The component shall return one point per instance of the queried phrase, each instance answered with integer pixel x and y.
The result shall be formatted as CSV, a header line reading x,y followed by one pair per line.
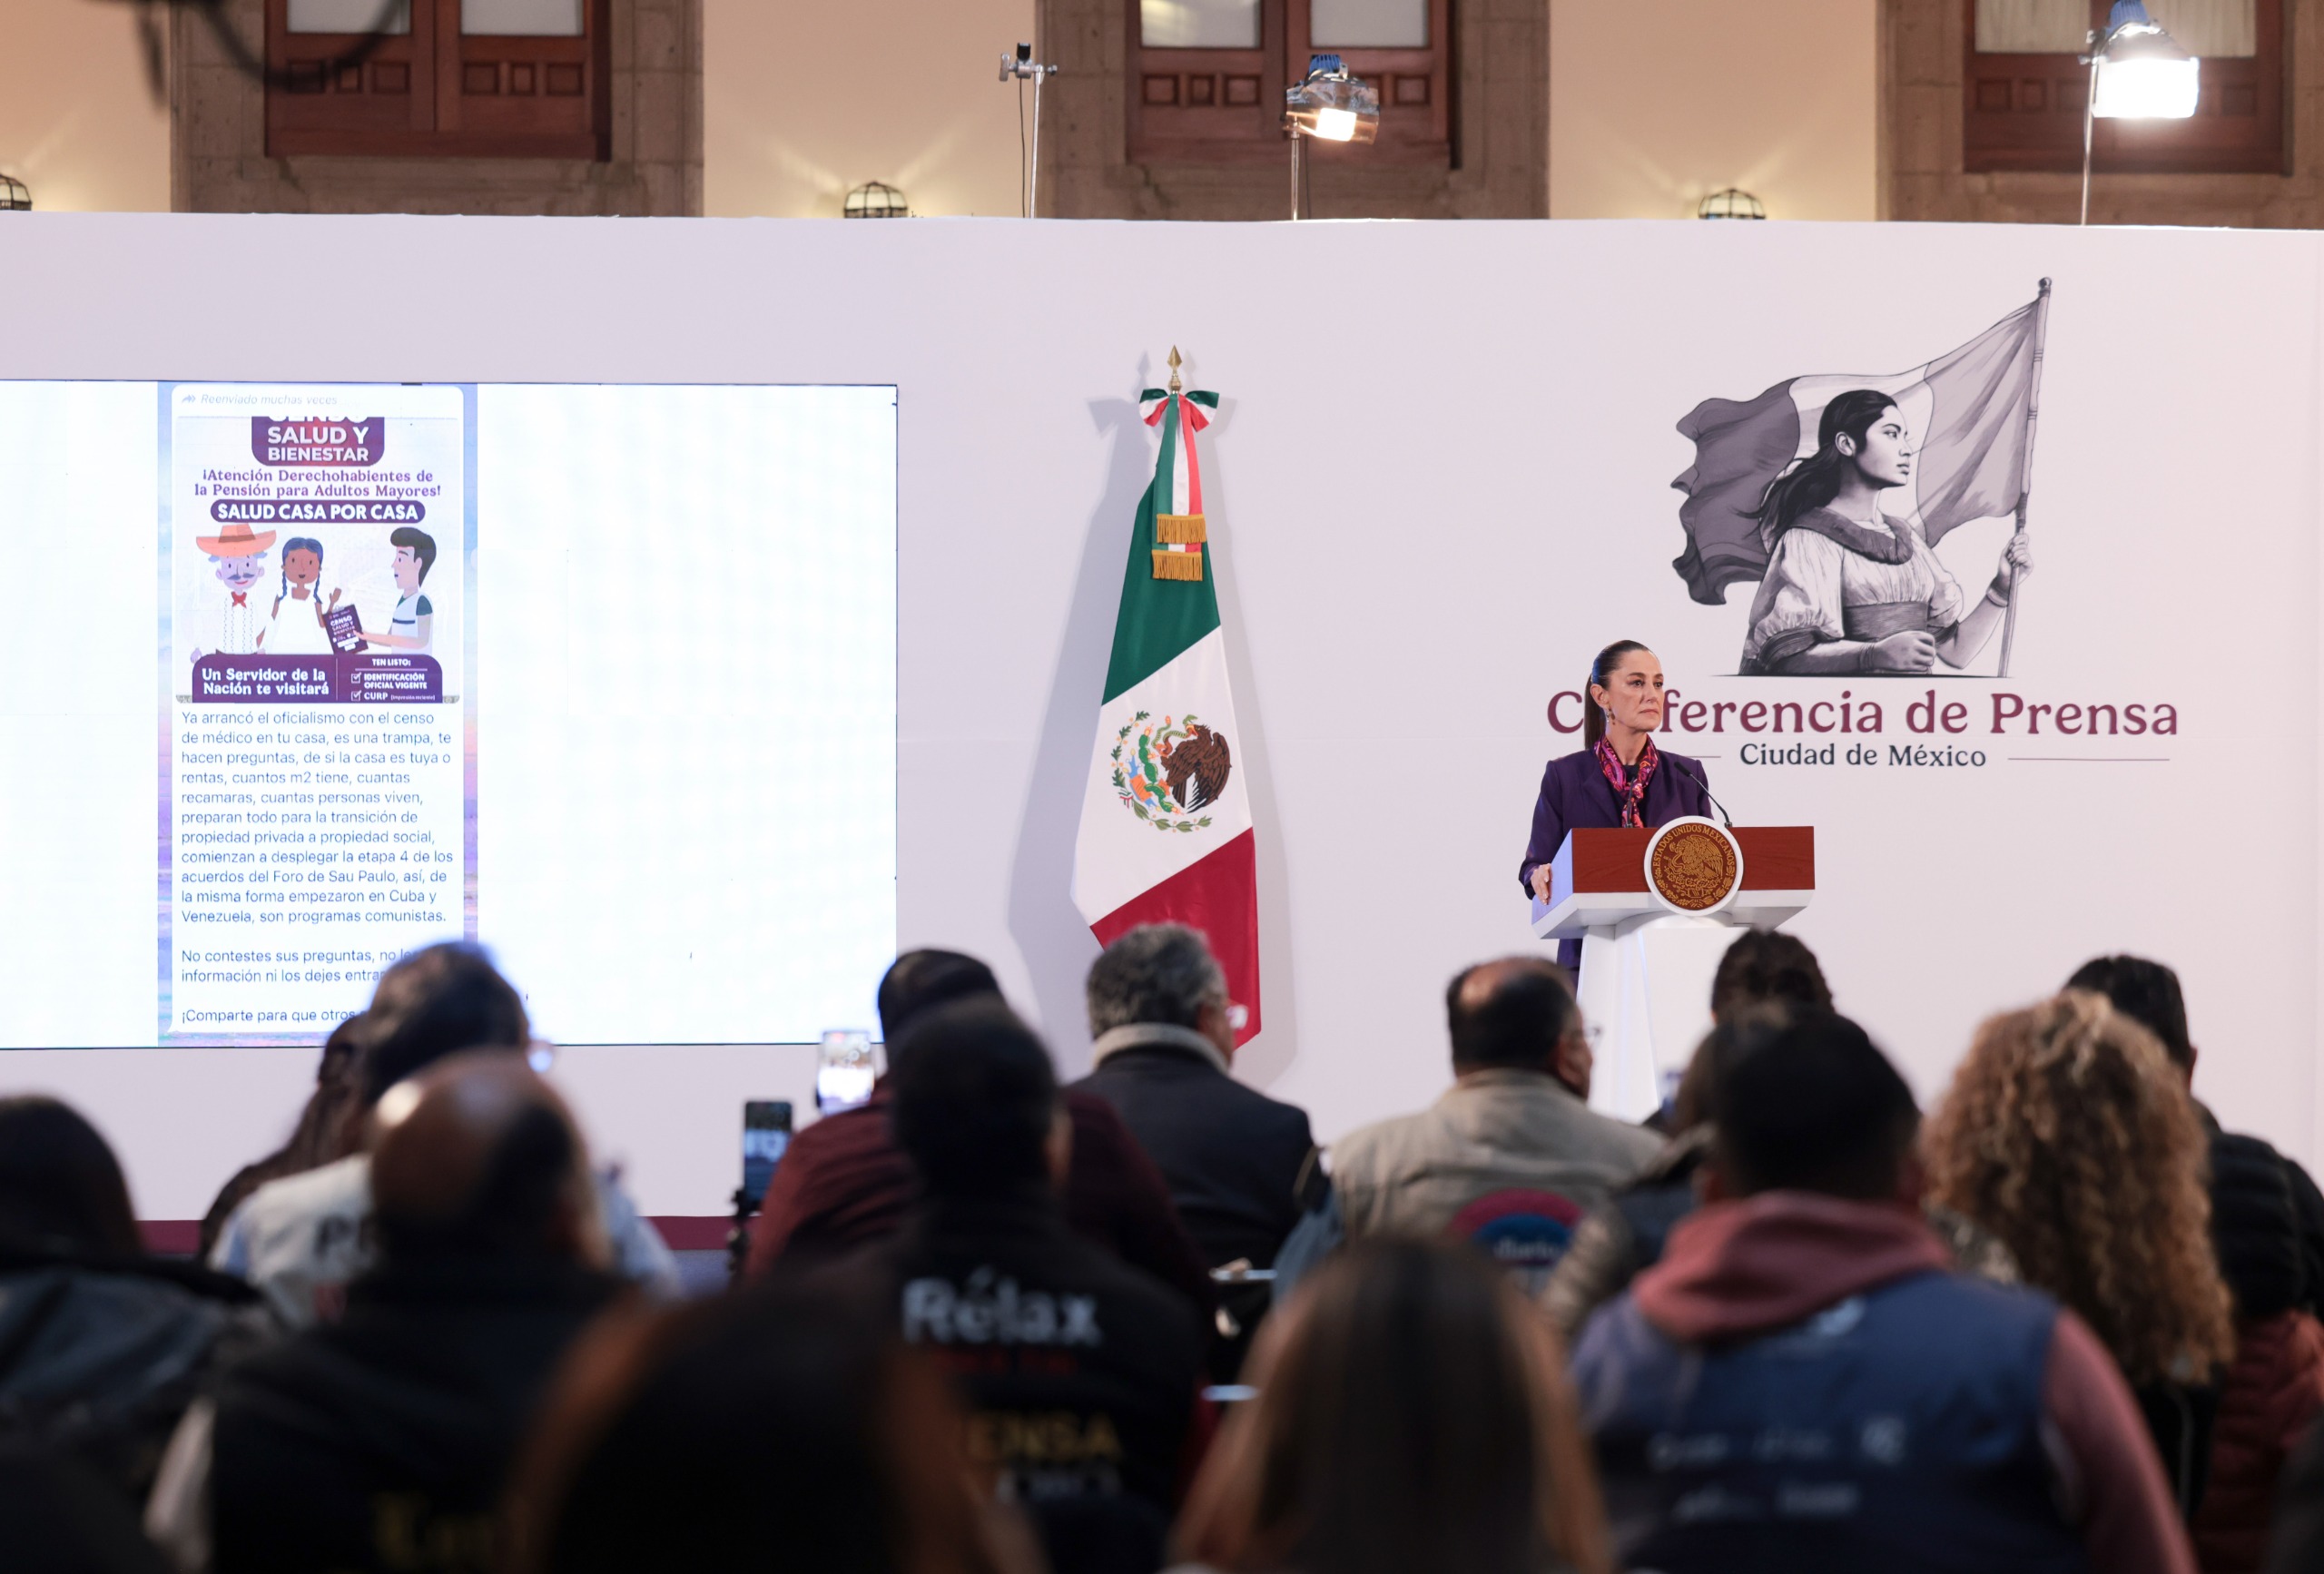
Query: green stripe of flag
x,y
1158,618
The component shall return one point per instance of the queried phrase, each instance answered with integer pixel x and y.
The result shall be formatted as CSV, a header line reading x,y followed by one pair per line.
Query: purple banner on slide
x,y
318,680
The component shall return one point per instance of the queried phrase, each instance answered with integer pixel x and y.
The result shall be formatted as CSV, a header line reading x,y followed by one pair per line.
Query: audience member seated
x,y
382,1441
1763,975
1766,965
302,1238
1626,1233
1080,1373
1511,1155
320,1137
1411,1414
1233,1157
2067,1134
2268,1230
784,1427
843,1182
59,1515
1800,1384
102,1347
2296,1541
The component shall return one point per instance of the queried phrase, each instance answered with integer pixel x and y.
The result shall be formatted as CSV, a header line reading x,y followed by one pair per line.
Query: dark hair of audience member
x,y
487,1164
1509,1013
60,1186
1804,1101
786,1427
438,1002
1412,1413
920,980
2068,1134
974,1100
1768,965
2148,994
320,1136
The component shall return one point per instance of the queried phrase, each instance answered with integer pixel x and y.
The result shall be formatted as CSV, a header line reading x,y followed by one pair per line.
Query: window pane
x,y
523,18
1197,24
2211,29
349,16
1369,24
2032,26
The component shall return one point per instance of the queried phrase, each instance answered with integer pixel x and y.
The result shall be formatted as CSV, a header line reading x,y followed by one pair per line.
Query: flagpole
x,y
2032,413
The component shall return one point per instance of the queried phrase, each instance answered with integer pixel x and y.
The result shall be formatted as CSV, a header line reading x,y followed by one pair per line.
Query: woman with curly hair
x,y
2067,1135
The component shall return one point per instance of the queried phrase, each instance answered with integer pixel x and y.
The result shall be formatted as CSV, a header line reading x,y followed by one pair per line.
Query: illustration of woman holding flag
x,y
1849,588
1844,586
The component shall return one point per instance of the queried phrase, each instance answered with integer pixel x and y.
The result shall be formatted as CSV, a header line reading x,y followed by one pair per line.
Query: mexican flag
x,y
1165,823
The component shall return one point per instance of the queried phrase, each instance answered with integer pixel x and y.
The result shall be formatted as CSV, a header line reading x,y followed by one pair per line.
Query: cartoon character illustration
x,y
239,557
1852,589
412,625
295,626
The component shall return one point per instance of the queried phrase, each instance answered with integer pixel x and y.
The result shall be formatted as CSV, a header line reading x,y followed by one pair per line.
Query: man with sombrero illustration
x,y
240,555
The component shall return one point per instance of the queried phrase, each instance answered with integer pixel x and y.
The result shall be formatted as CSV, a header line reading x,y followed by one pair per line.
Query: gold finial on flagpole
x,y
1176,385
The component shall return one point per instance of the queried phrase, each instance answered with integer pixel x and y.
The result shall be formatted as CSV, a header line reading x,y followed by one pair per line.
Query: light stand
x,y
1020,68
2137,72
1331,105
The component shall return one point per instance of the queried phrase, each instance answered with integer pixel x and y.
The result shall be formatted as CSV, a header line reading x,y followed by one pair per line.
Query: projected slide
x,y
601,677
319,731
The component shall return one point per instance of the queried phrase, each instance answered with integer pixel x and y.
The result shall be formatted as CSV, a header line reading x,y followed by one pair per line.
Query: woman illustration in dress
x,y
296,626
1849,588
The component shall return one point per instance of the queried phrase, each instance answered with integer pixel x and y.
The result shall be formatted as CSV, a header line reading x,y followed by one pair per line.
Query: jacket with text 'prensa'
x,y
1081,1373
1803,1384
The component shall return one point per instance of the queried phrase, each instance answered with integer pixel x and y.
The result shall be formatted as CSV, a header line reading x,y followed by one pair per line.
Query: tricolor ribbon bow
x,y
1179,529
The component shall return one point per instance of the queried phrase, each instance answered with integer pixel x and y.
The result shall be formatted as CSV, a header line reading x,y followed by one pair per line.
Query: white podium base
x,y
1645,995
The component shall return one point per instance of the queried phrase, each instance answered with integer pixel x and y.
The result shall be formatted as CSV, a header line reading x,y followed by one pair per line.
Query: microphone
x,y
1697,778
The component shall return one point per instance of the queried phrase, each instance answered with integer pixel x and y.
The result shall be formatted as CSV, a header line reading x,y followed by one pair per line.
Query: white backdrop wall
x,y
1441,481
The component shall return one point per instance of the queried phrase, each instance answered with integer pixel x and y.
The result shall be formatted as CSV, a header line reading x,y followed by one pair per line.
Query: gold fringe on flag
x,y
1181,529
1179,565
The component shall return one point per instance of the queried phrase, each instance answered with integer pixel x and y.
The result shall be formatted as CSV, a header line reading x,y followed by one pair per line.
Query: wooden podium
x,y
1655,909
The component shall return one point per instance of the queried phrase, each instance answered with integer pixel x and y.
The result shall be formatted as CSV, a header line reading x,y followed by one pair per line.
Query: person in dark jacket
x,y
1233,1157
1801,1384
1764,970
2267,1229
844,1184
1081,1373
101,1346
381,1441
58,1515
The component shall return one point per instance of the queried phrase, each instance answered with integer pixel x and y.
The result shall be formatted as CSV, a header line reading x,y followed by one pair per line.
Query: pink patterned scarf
x,y
1632,793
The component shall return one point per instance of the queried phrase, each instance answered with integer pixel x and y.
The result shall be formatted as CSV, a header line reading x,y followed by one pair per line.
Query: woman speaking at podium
x,y
1620,777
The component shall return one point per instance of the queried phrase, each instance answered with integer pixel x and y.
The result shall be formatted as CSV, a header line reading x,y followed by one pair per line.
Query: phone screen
x,y
767,1134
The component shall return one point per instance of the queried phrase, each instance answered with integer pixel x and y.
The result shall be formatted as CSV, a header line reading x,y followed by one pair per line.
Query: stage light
x,y
876,200
1331,106
2137,72
1734,202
